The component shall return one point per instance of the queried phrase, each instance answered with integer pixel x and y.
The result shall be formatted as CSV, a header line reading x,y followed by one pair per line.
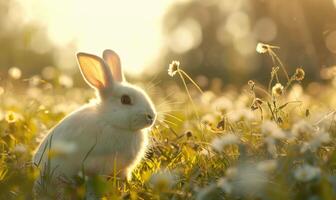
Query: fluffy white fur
x,y
107,133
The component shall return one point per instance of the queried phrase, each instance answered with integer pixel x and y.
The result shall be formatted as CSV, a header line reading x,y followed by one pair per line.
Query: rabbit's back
x,y
83,140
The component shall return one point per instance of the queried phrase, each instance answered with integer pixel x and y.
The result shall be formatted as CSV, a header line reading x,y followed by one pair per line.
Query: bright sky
x,y
131,28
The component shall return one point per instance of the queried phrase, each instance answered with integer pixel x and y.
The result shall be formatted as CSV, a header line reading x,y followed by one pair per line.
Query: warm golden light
x,y
132,28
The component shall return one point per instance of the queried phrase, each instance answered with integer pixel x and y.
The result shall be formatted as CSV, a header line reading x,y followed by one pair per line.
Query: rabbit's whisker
x,y
170,115
170,122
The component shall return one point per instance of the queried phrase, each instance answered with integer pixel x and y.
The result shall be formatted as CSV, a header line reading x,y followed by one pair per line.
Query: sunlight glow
x,y
132,28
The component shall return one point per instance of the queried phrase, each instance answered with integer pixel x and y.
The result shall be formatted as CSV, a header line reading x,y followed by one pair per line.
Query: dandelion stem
x,y
261,113
193,82
188,93
279,61
270,83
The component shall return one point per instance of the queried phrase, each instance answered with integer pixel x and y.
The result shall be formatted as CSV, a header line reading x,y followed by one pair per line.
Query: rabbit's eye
x,y
126,100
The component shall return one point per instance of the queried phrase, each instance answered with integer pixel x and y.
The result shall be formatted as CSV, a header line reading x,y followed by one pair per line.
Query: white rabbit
x,y
106,137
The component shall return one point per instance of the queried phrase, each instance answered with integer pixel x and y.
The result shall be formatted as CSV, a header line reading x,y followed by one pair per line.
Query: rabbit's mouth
x,y
143,120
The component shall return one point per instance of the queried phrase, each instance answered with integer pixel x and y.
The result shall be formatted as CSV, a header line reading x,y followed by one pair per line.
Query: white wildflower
x,y
208,192
299,74
277,90
225,185
222,105
207,97
15,72
270,128
231,172
208,119
318,139
65,81
240,114
306,173
173,68
271,147
219,143
162,180
301,128
249,180
261,48
241,101
35,80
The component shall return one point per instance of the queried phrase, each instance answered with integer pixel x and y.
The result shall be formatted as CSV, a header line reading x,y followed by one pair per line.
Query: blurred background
x,y
215,40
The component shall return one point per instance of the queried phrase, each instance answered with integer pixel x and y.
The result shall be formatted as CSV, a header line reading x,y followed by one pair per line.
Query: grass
x,y
273,143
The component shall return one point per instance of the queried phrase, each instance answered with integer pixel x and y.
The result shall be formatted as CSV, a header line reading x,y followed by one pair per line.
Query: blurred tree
x,y
24,45
217,38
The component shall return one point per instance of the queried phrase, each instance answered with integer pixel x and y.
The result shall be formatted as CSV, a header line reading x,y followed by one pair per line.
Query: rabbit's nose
x,y
149,118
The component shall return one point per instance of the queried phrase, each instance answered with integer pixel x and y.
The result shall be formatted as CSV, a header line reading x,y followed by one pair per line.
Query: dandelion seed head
x,y
277,90
302,128
207,97
319,138
162,180
270,128
251,83
65,81
249,180
11,117
225,185
241,114
208,192
222,105
35,80
173,68
299,74
231,172
15,72
208,120
307,173
256,104
261,48
219,143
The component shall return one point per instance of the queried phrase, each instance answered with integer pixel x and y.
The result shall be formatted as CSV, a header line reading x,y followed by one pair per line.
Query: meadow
x,y
256,142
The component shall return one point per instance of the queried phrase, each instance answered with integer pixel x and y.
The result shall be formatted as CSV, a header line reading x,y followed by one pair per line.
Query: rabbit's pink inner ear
x,y
113,61
94,70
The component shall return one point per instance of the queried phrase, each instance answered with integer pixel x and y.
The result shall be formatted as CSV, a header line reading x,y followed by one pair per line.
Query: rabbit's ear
x,y
113,61
94,71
